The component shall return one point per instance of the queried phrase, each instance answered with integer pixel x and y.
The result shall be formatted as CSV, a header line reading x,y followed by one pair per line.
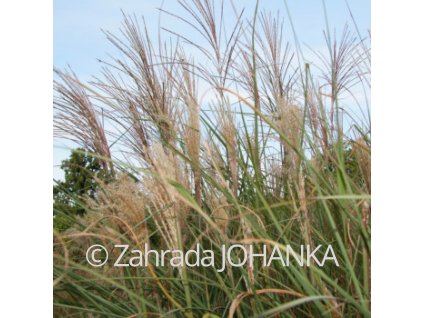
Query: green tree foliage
x,y
82,172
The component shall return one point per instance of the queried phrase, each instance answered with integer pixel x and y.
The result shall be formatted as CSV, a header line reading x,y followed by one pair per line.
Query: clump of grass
x,y
232,144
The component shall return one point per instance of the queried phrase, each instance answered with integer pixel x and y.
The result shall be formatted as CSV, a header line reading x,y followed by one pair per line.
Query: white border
x,y
26,259
397,218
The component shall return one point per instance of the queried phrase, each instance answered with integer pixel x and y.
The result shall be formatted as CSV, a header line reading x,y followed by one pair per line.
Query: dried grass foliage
x,y
151,94
124,200
243,131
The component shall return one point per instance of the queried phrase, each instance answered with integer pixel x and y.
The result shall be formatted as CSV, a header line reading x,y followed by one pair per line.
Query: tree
x,y
82,172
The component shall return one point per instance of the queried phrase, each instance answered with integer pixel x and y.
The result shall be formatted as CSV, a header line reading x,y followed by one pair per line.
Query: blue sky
x,y
78,40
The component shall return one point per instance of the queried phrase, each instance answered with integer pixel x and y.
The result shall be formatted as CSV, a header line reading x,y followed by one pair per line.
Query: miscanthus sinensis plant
x,y
227,137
